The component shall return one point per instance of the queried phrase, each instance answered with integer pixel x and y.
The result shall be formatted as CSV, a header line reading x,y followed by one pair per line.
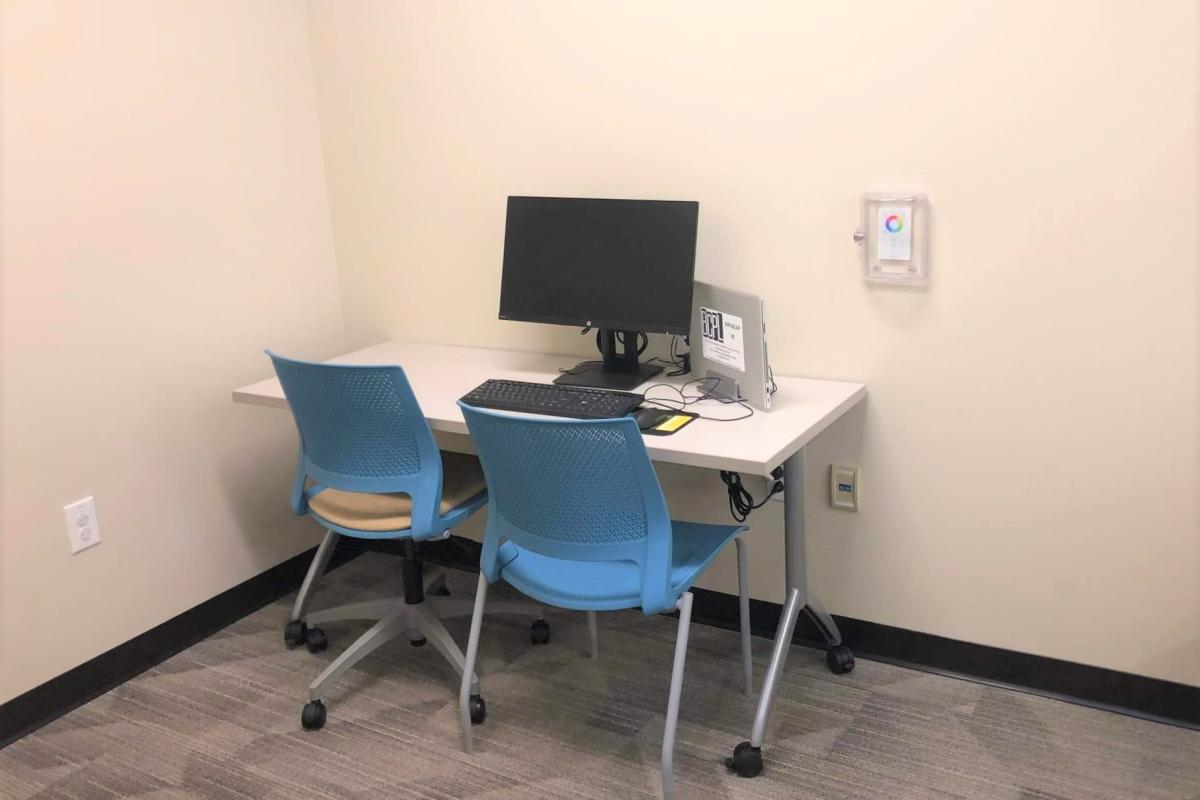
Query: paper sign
x,y
722,339
894,233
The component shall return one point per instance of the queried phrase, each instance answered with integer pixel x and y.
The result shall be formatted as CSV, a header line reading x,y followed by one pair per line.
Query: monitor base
x,y
619,369
596,375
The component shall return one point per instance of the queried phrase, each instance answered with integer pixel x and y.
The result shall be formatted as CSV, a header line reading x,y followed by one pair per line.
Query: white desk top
x,y
440,374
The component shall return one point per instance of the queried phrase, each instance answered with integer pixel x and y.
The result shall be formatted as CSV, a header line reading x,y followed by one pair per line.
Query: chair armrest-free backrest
x,y
362,430
582,490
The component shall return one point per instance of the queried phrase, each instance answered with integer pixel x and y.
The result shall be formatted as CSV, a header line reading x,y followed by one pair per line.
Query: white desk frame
x,y
803,408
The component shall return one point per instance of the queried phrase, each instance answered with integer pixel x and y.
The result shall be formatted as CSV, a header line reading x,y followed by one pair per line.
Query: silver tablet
x,y
729,343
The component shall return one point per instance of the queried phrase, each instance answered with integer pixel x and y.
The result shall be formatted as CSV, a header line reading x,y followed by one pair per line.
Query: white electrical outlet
x,y
82,525
843,487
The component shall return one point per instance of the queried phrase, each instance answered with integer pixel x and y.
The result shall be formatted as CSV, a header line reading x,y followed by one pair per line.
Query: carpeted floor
x,y
221,721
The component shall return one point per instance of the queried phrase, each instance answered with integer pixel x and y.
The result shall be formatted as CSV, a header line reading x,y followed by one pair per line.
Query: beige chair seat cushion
x,y
462,479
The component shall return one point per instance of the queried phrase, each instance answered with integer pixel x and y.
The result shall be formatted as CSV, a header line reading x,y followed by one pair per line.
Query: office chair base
x,y
746,760
839,660
418,616
421,623
312,717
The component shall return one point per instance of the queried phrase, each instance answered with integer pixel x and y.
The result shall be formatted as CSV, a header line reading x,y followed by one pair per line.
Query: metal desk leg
x,y
747,756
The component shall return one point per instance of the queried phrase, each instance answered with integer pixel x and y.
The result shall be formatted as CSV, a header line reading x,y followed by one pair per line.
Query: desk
x,y
440,374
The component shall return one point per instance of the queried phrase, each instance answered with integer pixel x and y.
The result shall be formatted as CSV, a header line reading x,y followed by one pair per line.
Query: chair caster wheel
x,y
746,760
317,641
417,642
312,718
295,633
539,632
478,709
839,659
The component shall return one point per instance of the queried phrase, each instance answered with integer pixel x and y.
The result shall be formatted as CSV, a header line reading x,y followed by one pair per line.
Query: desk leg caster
x,y
839,659
746,760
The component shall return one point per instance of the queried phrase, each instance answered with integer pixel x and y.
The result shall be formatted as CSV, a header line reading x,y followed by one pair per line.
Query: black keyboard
x,y
552,399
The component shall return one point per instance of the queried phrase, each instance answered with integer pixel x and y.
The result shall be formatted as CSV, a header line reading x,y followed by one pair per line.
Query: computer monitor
x,y
621,266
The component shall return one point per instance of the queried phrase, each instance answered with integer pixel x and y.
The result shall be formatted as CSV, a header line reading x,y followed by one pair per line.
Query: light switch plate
x,y
82,526
843,487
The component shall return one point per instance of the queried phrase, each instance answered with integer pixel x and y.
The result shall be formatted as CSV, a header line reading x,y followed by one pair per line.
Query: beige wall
x,y
1029,446
164,219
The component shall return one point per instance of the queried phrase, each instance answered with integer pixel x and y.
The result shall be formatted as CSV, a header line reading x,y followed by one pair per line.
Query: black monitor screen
x,y
620,264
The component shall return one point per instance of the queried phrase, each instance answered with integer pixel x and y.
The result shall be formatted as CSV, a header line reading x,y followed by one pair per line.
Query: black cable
x,y
675,364
583,366
741,502
686,400
643,341
681,362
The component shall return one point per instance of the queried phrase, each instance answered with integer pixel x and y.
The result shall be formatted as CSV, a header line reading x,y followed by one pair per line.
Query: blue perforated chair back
x,y
582,490
361,430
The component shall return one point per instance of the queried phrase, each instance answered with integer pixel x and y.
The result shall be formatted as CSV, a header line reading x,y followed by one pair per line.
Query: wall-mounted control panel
x,y
843,487
893,238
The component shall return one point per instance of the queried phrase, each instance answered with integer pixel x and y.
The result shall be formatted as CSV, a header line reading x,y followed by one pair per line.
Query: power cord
x,y
682,362
741,502
684,400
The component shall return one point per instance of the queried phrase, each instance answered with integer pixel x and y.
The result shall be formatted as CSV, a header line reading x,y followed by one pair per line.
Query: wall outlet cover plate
x,y
82,526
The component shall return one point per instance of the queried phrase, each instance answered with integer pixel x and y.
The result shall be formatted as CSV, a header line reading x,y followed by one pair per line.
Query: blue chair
x,y
576,519
369,468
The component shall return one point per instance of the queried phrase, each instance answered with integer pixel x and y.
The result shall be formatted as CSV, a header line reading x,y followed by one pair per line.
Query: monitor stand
x,y
616,371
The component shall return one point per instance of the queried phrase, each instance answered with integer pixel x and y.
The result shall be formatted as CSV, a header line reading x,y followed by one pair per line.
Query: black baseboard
x,y
1082,684
27,712
1096,687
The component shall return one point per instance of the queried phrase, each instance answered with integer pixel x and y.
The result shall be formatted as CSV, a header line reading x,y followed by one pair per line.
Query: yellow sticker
x,y
674,423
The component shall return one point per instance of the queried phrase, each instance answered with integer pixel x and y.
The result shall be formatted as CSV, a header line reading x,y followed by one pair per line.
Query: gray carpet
x,y
221,721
